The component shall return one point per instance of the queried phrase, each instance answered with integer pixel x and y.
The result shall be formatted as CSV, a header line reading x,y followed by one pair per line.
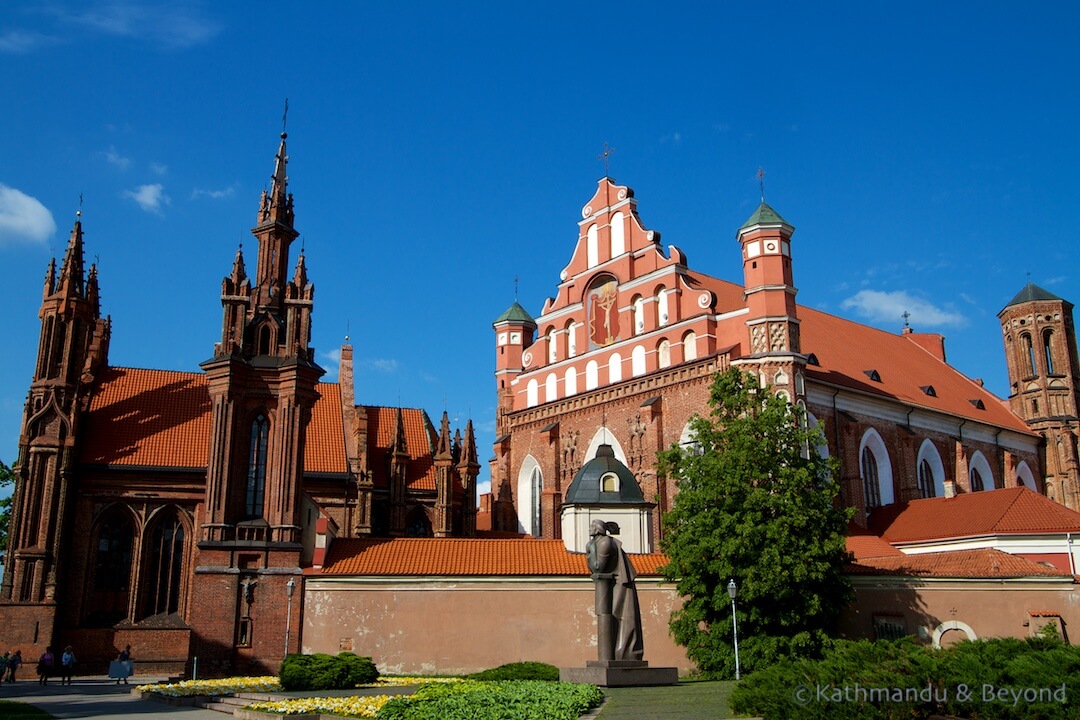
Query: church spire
x,y
71,271
443,452
239,272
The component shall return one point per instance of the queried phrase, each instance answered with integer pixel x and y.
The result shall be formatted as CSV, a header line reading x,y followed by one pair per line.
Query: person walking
x,y
126,665
13,665
45,665
67,666
3,665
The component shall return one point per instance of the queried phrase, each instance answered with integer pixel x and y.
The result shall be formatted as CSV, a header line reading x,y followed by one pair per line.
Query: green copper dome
x,y
588,487
515,313
764,215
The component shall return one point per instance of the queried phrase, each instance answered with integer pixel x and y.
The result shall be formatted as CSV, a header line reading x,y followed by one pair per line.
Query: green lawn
x,y
11,710
685,701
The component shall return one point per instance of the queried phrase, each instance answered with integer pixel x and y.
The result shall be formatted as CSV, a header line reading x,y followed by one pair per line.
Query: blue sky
x,y
925,152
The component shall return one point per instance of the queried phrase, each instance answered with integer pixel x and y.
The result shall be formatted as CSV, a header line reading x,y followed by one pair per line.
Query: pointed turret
x,y
93,292
300,275
50,279
468,467
275,233
239,272
399,467
72,275
443,451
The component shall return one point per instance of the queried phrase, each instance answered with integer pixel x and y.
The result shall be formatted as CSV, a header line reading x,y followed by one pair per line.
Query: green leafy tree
x,y
7,480
755,504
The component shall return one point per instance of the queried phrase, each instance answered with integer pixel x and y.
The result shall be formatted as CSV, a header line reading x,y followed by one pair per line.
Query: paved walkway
x,y
98,697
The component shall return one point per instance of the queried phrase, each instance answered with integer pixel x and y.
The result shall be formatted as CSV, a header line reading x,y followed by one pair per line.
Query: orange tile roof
x,y
161,418
870,546
1007,511
846,349
464,557
982,563
420,440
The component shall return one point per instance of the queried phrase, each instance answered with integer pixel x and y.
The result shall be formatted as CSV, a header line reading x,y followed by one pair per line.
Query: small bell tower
x,y
1044,381
773,319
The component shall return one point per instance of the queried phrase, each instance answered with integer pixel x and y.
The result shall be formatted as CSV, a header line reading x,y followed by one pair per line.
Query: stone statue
x,y
618,618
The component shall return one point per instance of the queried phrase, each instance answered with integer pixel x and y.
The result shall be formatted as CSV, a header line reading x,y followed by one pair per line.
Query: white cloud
x,y
150,198
889,307
167,24
213,194
332,364
158,168
23,217
20,42
116,158
674,138
382,365
483,487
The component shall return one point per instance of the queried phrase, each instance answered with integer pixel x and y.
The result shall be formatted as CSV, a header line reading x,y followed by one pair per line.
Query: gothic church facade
x,y
175,510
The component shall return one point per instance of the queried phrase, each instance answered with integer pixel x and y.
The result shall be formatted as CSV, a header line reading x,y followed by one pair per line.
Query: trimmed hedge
x,y
519,671
502,700
998,679
326,672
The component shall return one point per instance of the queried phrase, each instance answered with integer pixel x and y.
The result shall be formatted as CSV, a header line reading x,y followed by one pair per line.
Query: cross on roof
x,y
604,156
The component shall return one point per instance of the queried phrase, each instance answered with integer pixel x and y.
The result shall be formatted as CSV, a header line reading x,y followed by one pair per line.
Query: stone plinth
x,y
620,673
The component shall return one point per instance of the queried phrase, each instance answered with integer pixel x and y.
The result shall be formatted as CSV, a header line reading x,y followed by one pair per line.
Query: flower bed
x,y
363,706
214,688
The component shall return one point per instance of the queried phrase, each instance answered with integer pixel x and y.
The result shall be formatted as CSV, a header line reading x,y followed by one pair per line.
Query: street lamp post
x,y
732,591
290,588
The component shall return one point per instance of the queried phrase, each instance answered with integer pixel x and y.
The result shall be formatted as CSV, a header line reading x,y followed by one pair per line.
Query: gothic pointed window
x,y
164,555
1047,337
926,480
537,487
1029,352
871,487
108,601
256,475
264,340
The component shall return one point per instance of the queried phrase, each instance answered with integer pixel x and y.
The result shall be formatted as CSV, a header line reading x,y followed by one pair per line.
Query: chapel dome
x,y
604,481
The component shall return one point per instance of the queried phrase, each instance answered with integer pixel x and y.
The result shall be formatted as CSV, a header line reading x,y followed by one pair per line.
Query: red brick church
x,y
245,509
175,511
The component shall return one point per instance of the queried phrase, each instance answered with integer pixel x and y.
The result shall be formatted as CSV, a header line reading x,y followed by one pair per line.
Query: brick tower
x,y
514,333
1044,382
262,384
773,319
72,350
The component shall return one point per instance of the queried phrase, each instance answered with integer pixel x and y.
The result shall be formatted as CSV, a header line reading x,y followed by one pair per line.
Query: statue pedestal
x,y
620,673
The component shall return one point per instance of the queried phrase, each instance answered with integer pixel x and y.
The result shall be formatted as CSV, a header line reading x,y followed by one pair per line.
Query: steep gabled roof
x,y
981,563
464,557
1008,511
420,441
161,418
864,546
847,351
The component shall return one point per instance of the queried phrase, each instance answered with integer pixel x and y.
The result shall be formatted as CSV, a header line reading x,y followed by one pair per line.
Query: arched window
x,y
553,347
689,344
637,361
618,234
1024,477
532,393
108,602
926,480
256,475
551,391
571,340
871,481
537,482
980,476
417,523
592,247
614,368
876,470
931,471
1030,351
571,382
662,307
264,340
592,375
609,483
164,565
663,353
639,315
1047,337
530,487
